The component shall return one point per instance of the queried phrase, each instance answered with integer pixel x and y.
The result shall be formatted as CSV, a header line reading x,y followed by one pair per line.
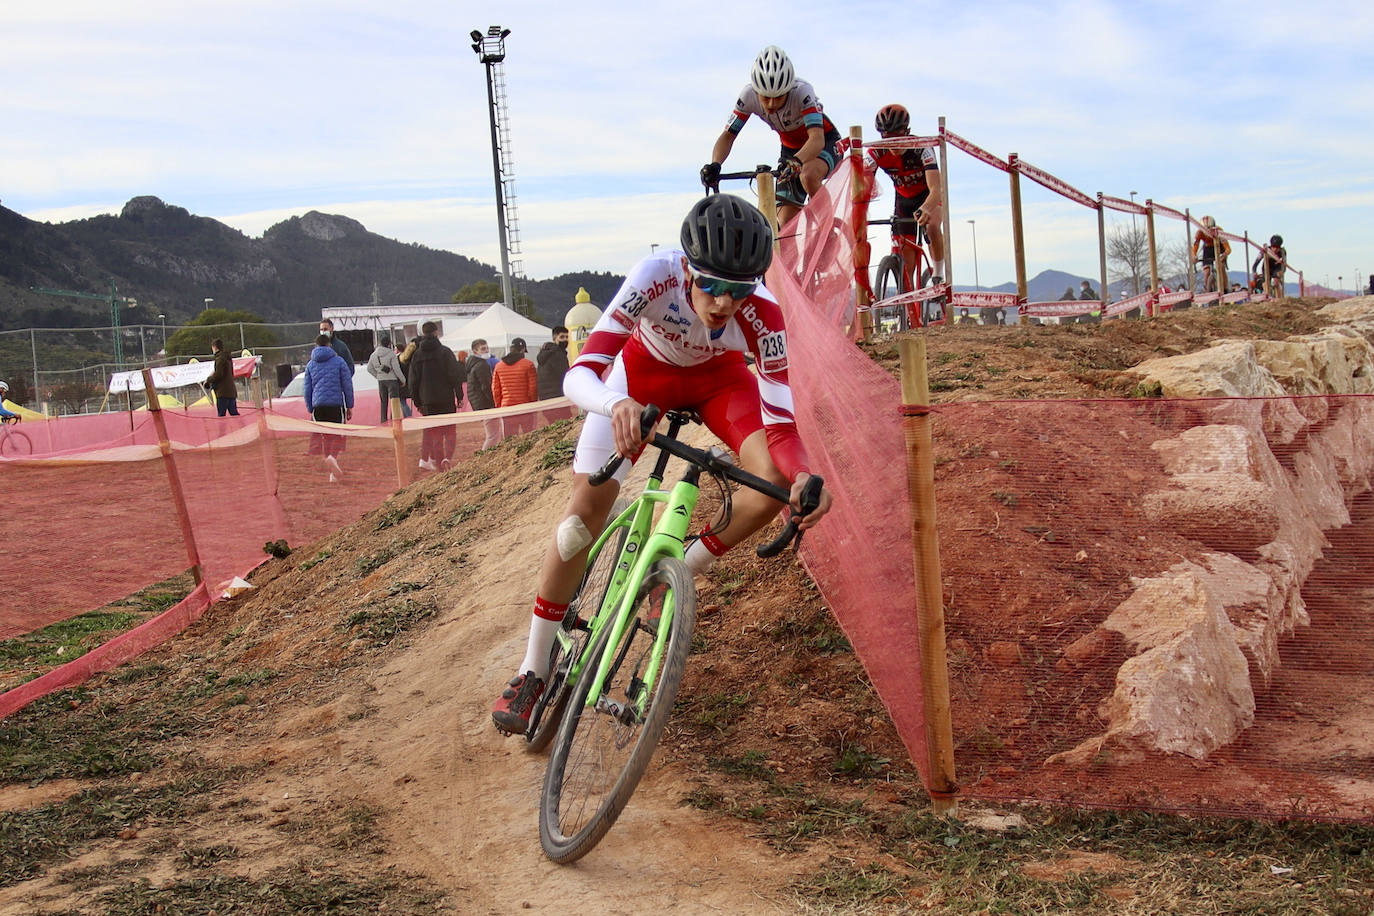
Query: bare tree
x,y
1128,254
1174,261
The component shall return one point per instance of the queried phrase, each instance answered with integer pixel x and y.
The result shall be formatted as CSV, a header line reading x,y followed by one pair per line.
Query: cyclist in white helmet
x,y
790,106
5,415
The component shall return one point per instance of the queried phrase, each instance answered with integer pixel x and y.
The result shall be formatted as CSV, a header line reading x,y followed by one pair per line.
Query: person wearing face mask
x,y
339,347
479,389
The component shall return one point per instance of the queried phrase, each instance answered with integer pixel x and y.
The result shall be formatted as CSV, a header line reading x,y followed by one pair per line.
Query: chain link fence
x,y
63,371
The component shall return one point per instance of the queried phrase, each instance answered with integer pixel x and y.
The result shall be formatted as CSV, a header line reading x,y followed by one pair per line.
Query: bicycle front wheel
x,y
14,444
889,277
548,712
604,748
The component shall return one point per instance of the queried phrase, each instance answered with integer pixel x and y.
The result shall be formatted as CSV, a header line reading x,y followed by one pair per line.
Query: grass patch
x,y
67,639
316,560
398,514
464,514
559,455
376,561
719,710
381,625
817,632
299,888
31,839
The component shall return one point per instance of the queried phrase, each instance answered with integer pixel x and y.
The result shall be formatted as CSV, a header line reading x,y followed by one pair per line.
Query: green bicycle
x,y
620,655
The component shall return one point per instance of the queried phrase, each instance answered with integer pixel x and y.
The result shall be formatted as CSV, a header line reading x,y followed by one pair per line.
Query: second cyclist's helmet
x,y
1276,241
728,237
4,387
773,75
892,119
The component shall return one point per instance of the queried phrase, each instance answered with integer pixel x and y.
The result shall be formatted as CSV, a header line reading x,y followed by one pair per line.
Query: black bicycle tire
x,y
889,267
7,444
557,845
549,712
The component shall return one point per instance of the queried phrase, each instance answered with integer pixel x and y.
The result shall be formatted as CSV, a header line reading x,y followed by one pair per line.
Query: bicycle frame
x,y
645,542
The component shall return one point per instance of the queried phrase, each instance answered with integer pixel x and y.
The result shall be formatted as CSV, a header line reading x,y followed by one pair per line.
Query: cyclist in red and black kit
x,y
791,107
675,335
915,175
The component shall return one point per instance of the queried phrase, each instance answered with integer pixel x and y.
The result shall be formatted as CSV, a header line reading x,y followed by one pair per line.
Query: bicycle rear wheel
x,y
596,580
603,750
14,444
889,277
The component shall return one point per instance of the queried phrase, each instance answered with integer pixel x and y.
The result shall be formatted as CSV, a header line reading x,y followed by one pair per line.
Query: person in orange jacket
x,y
514,381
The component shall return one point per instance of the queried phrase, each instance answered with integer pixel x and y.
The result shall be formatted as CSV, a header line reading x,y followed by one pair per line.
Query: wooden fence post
x,y
1188,247
1102,252
944,182
858,193
1018,235
173,479
926,545
1154,256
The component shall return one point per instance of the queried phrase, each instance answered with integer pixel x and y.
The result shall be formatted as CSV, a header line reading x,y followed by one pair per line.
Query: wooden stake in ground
x,y
173,479
930,610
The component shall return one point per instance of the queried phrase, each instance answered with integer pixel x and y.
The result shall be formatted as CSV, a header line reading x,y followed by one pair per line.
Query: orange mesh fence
x,y
94,521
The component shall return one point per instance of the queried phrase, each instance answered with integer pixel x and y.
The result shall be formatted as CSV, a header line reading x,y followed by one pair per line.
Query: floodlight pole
x,y
491,49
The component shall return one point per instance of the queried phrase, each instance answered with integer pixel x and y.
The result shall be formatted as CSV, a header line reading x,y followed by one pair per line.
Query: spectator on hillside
x,y
479,389
515,381
1086,293
221,381
553,365
1068,294
436,385
339,347
329,399
385,366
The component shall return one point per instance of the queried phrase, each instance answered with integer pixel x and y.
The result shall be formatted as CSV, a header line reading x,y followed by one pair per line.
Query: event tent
x,y
498,326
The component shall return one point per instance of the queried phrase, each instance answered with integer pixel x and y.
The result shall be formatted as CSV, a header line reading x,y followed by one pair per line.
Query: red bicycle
x,y
893,280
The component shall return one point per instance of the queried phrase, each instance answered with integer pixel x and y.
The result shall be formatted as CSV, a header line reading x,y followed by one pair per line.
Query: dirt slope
x,y
333,724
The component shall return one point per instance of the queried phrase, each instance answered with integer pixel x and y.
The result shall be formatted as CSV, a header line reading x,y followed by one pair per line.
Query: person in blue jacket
x,y
329,398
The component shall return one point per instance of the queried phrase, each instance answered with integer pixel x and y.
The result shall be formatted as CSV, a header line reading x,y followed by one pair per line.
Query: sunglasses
x,y
716,286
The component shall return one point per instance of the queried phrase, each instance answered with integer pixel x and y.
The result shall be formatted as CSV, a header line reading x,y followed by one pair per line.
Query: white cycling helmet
x,y
773,74
4,387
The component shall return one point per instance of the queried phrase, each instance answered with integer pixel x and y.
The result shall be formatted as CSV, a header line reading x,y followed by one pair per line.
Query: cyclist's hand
x,y
710,176
795,499
625,426
788,169
927,214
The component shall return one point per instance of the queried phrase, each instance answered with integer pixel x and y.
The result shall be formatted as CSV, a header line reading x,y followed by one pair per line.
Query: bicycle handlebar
x,y
719,464
761,169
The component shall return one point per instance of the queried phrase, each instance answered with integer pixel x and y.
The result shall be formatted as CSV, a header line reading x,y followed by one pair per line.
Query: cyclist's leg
x,y
908,236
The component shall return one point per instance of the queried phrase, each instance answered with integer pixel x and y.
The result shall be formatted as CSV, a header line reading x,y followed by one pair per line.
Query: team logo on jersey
x,y
660,287
623,320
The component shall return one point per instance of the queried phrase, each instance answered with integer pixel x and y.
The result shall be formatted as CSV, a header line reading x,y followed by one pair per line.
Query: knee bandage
x,y
572,537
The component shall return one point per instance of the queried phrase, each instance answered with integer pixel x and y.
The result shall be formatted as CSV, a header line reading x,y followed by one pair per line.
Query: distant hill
x,y
171,261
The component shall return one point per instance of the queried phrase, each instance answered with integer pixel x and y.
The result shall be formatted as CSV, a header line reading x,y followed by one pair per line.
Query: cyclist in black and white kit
x,y
791,107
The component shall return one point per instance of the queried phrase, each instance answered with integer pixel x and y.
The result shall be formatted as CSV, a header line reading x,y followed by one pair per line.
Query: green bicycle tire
x,y
548,712
590,777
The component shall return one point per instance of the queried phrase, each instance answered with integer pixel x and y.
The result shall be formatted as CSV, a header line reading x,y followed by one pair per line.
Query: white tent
x,y
362,381
498,325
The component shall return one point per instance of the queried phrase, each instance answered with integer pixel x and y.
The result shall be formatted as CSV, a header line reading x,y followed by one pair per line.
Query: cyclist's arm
x,y
934,198
725,142
815,142
7,415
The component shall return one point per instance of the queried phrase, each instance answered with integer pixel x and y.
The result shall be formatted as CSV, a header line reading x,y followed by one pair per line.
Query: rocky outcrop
x,y
1206,634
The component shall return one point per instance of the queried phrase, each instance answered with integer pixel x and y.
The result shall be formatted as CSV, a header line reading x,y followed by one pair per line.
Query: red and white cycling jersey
x,y
906,167
802,110
652,312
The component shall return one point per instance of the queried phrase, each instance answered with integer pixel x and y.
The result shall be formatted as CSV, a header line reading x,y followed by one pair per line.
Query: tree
x,y
194,339
71,397
491,291
1128,254
1174,262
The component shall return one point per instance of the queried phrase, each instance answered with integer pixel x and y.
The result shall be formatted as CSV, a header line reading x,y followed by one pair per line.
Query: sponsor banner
x,y
976,151
904,143
1057,185
919,295
1204,298
986,300
165,377
1167,211
1175,298
1125,206
1058,309
1139,301
1232,298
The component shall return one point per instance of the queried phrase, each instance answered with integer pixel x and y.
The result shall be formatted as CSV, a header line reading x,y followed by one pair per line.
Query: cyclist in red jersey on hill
x,y
915,175
675,335
791,107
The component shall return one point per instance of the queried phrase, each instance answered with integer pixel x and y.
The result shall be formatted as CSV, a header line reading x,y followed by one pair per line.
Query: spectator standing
x,y
329,399
1086,293
385,366
479,390
1068,294
338,346
436,385
221,381
515,381
553,365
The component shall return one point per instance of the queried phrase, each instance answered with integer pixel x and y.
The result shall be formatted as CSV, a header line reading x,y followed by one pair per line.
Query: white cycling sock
x,y
537,649
703,553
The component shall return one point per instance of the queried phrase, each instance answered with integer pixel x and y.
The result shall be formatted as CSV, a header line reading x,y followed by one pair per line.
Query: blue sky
x,y
250,111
